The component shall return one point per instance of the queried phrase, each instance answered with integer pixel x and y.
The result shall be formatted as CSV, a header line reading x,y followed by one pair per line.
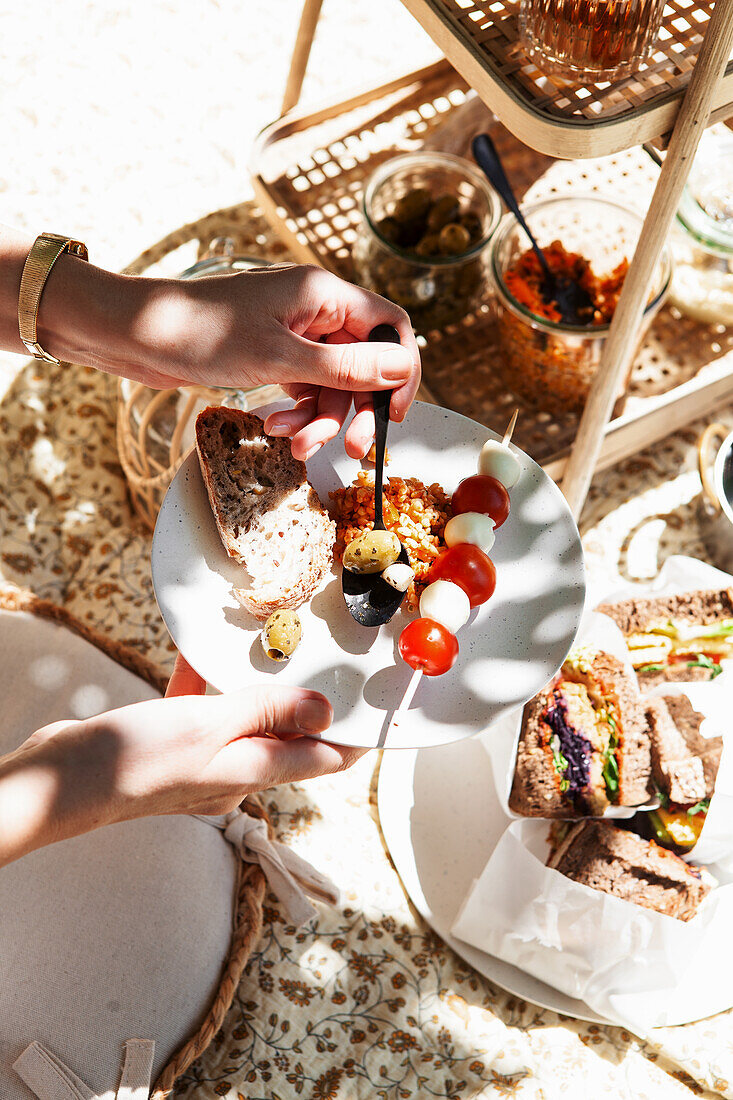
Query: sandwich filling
x,y
678,827
582,715
675,642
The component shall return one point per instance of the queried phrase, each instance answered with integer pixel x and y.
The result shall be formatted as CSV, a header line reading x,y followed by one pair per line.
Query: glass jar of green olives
x,y
427,221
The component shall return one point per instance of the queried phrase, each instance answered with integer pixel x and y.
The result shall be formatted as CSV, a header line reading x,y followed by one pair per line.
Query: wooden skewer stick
x,y
407,698
510,429
416,677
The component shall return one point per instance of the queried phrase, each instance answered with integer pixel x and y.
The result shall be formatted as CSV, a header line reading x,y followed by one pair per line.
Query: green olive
x,y
281,635
413,206
389,229
429,245
372,552
473,224
454,239
444,210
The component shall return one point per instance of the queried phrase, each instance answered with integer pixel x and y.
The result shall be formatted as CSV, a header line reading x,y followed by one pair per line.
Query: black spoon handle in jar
x,y
382,334
488,160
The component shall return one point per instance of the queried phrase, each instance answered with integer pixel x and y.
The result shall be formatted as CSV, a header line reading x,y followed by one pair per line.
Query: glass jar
x,y
589,39
551,364
427,223
702,239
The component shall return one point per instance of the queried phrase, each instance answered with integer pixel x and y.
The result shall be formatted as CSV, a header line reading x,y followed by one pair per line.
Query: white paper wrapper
x,y
501,739
634,966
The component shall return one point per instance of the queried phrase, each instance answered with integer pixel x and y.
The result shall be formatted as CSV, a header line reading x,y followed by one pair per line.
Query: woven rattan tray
x,y
479,37
309,173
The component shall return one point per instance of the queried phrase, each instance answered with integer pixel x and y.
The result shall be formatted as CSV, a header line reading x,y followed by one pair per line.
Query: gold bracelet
x,y
43,255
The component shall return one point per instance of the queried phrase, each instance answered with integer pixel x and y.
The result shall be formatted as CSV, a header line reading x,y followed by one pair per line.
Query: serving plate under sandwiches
x,y
441,821
509,649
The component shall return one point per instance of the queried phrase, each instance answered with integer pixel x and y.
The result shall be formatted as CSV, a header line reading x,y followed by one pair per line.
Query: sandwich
x,y
682,637
684,768
583,744
616,861
269,516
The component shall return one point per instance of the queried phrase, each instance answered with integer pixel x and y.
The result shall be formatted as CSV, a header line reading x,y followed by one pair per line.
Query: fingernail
x,y
312,451
394,363
313,715
278,427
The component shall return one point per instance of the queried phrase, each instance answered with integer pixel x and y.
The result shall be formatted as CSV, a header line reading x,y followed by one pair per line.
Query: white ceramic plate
x,y
510,647
441,821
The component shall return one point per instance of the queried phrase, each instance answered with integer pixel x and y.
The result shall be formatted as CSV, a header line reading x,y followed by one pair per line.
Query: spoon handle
x,y
487,158
381,420
383,334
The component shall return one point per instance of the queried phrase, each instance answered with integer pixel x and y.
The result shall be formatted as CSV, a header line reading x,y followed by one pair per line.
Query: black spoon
x,y
572,300
369,599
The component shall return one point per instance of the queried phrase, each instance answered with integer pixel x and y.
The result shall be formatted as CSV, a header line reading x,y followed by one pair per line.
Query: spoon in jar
x,y
571,299
370,600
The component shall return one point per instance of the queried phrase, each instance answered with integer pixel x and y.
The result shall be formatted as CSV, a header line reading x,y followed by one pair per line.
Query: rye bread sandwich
x,y
269,516
676,638
684,768
583,744
618,862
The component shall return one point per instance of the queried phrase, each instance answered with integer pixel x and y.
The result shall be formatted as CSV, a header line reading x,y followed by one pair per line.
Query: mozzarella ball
x,y
445,602
472,527
497,461
399,576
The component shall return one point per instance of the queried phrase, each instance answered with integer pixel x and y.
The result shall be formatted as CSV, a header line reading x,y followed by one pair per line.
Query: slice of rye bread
x,y
703,607
618,862
268,514
709,749
677,771
607,674
536,785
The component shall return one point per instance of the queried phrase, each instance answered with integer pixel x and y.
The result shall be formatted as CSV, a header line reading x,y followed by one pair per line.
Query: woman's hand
x,y
188,753
294,325
298,326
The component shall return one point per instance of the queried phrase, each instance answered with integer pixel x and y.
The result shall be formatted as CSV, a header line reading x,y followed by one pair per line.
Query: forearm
x,y
87,315
46,795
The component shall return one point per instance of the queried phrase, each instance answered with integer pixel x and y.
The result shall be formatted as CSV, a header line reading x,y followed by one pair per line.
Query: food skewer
x,y
417,674
407,698
510,429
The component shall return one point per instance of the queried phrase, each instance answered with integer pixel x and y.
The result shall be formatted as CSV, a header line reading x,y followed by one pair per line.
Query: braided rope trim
x,y
251,885
19,599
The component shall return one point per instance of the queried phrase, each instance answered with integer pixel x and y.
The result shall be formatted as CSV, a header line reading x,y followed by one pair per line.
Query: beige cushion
x,y
115,935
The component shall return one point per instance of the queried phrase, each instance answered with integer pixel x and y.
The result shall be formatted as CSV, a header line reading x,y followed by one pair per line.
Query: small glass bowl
x,y
702,238
440,288
551,364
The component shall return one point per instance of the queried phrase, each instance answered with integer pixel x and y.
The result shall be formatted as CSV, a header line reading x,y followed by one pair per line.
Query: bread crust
x,y
618,862
246,484
703,606
536,785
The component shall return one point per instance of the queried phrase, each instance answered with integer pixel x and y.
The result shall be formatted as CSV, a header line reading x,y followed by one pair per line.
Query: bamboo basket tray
x,y
309,172
571,120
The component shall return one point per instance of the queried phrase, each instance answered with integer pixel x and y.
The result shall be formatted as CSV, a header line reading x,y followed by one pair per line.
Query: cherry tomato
x,y
427,645
481,493
469,568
